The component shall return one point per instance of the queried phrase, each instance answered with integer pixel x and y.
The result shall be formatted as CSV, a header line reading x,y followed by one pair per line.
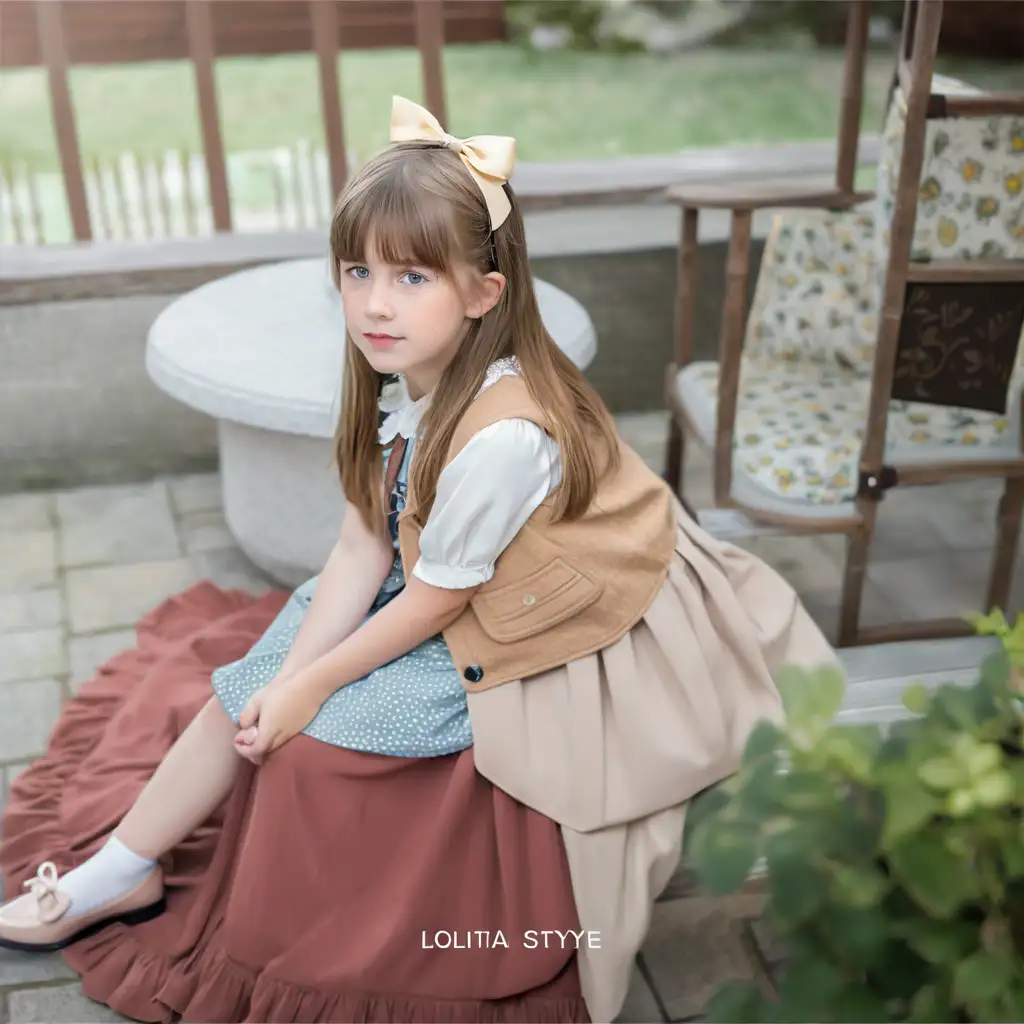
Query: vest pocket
x,y
536,602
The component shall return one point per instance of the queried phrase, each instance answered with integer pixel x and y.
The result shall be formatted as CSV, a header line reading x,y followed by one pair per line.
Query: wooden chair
x,y
899,359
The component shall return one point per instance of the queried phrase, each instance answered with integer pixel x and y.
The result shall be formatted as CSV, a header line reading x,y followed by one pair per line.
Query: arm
x,y
419,612
483,498
353,574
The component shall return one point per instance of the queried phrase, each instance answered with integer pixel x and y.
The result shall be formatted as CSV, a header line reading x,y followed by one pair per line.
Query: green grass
x,y
559,106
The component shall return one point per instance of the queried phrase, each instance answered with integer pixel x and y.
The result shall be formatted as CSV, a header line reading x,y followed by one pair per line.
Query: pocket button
x,y
529,600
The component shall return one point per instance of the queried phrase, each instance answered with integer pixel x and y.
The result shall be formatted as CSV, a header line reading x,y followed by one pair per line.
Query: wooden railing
x,y
58,34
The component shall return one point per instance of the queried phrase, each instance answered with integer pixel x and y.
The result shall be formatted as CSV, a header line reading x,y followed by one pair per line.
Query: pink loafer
x,y
38,923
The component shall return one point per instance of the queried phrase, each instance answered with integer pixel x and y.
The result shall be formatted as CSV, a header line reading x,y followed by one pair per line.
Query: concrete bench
x,y
262,351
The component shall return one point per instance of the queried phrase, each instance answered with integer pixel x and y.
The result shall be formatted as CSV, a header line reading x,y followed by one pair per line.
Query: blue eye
x,y
414,278
360,273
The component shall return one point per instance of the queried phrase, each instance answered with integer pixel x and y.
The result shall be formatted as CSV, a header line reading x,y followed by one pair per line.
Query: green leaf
x,y
956,705
993,624
856,1004
939,942
1012,850
908,805
795,894
806,791
861,933
811,699
995,671
852,749
762,744
917,699
932,875
708,804
858,885
942,773
931,1006
737,1002
808,990
994,790
981,976
723,853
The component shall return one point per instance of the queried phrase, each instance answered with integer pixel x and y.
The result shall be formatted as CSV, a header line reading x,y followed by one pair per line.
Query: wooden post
x,y
686,291
926,39
324,17
201,49
853,94
734,318
50,25
430,40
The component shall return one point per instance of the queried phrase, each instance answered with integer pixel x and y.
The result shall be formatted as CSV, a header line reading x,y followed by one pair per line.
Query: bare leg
x,y
191,782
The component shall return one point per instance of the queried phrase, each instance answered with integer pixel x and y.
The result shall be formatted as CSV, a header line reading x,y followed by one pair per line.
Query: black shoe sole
x,y
132,917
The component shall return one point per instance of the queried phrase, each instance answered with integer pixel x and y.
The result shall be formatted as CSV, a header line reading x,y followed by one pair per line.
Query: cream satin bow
x,y
489,158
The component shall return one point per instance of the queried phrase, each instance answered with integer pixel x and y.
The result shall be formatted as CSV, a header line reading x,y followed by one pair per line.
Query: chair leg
x,y
674,456
858,544
1004,557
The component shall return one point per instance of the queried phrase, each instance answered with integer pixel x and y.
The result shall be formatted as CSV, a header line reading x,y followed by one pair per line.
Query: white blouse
x,y
484,495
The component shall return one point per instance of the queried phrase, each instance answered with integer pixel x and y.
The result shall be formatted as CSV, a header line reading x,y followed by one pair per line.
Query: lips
x,y
381,340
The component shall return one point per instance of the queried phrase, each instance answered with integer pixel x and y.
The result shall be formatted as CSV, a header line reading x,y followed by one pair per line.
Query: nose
x,y
378,303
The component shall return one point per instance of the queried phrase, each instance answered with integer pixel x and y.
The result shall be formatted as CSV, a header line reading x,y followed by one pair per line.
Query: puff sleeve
x,y
484,496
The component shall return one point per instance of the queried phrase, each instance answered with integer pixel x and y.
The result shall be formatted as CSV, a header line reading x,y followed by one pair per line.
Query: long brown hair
x,y
420,206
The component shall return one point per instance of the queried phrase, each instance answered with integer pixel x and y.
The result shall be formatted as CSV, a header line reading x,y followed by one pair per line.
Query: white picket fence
x,y
138,197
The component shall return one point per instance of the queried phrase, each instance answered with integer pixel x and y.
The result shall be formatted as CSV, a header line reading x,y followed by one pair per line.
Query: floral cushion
x,y
971,200
799,427
816,291
822,273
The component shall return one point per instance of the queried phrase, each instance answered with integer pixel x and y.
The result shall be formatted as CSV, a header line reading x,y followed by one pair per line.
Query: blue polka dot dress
x,y
415,706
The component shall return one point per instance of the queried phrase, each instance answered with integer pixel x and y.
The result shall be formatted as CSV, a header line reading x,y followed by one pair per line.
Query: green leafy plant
x,y
894,863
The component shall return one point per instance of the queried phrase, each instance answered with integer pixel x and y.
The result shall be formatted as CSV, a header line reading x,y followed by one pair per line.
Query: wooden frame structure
x,y
994,287
58,34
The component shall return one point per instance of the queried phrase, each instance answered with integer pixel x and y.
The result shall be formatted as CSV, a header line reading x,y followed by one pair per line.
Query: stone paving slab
x,y
195,492
86,653
28,711
63,1004
21,512
31,609
32,654
205,530
117,596
28,559
109,525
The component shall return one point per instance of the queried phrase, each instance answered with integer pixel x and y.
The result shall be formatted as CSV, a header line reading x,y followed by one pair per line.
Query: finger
x,y
246,736
250,713
261,744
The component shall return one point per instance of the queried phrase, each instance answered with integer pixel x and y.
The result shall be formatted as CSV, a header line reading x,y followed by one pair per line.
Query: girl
x,y
482,722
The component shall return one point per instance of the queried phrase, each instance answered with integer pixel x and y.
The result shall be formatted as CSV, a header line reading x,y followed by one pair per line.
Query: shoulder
x,y
504,395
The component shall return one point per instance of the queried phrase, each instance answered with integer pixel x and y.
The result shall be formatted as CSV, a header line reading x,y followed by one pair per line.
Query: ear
x,y
485,294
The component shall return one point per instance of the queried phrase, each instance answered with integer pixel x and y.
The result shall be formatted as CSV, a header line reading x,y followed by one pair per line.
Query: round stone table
x,y
262,351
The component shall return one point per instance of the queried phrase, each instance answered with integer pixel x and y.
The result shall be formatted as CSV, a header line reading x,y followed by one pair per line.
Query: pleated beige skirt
x,y
613,746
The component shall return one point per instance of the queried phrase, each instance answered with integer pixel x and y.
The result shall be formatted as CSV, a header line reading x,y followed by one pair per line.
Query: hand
x,y
272,717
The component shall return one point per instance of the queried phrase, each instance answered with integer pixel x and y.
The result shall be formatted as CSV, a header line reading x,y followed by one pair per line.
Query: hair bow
x,y
489,158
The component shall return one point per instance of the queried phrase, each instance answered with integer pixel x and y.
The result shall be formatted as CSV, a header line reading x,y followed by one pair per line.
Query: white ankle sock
x,y
107,874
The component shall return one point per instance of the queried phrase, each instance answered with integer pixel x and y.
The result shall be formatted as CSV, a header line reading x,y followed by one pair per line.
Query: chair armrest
x,y
762,195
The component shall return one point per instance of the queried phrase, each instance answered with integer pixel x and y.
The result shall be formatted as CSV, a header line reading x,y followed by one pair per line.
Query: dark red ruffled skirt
x,y
316,891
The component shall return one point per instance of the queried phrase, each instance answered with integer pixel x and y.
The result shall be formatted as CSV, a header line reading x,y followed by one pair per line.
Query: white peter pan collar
x,y
404,414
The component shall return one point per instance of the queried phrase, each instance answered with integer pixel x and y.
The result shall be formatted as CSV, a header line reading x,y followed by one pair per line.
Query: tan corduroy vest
x,y
560,590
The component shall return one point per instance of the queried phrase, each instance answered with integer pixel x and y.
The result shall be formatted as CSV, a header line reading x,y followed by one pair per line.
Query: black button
x,y
474,673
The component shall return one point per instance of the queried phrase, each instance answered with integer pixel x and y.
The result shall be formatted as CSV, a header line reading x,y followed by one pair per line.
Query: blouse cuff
x,y
450,577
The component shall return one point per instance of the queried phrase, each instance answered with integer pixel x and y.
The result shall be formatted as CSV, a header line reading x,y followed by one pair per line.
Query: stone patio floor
x,y
79,567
